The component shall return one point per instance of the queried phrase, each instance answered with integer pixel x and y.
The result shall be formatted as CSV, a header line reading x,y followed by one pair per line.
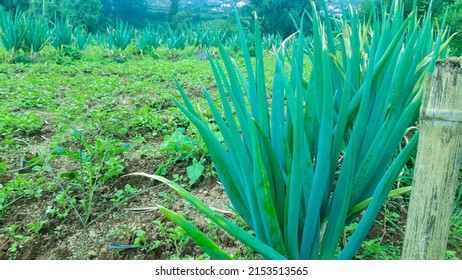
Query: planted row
x,y
30,34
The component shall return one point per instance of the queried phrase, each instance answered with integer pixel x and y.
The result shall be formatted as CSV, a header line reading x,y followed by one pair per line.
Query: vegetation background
x,y
276,16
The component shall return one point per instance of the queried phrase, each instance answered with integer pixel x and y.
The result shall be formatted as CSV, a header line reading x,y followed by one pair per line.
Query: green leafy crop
x,y
298,162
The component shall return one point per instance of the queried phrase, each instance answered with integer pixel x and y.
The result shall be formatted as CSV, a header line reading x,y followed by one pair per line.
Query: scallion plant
x,y
37,34
175,41
121,35
61,33
81,38
13,29
301,162
149,37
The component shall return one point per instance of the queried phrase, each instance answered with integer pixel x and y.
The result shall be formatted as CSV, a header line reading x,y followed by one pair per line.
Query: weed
x,y
451,255
455,231
121,229
179,238
213,232
3,169
182,146
17,241
374,249
195,170
65,204
161,226
122,195
23,123
37,226
141,241
390,218
167,198
22,187
97,164
180,179
176,236
248,254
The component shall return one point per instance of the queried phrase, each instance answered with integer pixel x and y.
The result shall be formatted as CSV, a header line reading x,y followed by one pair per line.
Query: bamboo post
x,y
437,164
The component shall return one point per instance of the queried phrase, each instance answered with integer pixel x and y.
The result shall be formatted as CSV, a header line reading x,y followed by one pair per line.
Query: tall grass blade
x,y
243,236
301,162
200,238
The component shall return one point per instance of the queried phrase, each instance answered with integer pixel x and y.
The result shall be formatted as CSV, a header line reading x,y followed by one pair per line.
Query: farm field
x,y
118,111
123,112
224,141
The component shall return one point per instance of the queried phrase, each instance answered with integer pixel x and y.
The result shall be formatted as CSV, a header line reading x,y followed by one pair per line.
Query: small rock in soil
x,y
92,234
103,253
92,254
103,250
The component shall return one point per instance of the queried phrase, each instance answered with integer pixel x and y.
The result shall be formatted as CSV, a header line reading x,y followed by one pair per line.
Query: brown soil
x,y
67,239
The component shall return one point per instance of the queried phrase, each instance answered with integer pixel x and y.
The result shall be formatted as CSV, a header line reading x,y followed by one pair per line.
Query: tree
x,y
454,21
131,11
82,13
15,4
174,5
438,6
278,16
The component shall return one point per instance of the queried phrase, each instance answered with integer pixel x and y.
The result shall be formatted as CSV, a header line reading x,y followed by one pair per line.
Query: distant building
x,y
240,4
202,6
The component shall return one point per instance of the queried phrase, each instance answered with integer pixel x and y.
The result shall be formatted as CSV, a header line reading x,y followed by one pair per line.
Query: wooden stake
x,y
437,164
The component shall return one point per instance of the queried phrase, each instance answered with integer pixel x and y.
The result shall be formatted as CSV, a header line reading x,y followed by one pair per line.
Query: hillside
x,y
195,3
